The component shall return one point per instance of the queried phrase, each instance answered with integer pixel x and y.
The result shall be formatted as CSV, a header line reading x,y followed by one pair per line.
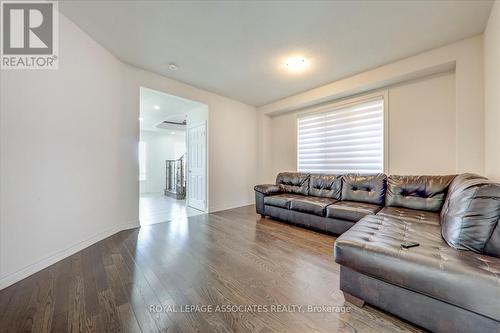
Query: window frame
x,y
347,102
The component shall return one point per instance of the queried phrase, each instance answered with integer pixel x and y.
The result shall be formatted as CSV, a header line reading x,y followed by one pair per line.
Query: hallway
x,y
157,208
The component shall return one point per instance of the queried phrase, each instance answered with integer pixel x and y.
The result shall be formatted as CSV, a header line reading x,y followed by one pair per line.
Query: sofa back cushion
x,y
326,186
492,247
417,192
293,182
364,188
471,213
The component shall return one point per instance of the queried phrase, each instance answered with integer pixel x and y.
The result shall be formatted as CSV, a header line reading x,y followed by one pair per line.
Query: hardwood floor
x,y
226,258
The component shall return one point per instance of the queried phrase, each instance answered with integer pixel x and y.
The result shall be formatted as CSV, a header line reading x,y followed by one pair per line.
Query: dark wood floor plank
x,y
42,320
97,266
232,257
77,317
19,298
61,300
141,294
128,320
25,323
94,324
8,298
110,311
132,290
217,324
92,307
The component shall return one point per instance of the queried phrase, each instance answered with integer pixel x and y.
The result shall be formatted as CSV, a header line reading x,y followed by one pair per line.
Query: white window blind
x,y
344,139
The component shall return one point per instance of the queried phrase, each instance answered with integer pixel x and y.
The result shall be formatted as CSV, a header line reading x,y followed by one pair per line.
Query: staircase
x,y
175,178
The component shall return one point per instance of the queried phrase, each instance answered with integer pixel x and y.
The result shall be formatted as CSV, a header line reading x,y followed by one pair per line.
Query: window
x,y
142,160
343,139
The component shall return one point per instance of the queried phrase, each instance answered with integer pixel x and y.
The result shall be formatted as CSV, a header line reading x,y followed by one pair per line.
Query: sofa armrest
x,y
267,189
260,192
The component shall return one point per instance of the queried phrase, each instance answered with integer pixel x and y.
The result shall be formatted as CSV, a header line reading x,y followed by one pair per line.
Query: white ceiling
x,y
171,108
237,48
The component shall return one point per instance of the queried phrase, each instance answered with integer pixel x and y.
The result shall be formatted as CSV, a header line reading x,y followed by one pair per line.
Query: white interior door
x,y
197,166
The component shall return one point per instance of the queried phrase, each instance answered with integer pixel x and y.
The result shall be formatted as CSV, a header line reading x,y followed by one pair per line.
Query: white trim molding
x,y
60,255
231,206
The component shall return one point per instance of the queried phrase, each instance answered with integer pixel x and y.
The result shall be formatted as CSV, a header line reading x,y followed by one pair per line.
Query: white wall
x,y
69,167
159,148
422,127
282,144
421,120
68,157
464,148
492,93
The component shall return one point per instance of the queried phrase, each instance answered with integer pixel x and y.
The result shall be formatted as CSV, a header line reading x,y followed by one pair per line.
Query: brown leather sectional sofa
x,y
449,283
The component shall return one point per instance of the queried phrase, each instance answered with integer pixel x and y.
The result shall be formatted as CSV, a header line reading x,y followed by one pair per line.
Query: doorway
x,y
172,157
197,147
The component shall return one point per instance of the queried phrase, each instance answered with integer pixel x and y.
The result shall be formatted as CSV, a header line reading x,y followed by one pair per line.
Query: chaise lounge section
x,y
449,283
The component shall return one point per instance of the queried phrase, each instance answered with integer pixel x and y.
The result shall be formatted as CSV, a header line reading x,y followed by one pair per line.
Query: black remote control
x,y
409,245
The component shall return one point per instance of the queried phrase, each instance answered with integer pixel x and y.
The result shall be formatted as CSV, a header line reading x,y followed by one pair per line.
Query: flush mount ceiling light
x,y
156,107
173,67
296,64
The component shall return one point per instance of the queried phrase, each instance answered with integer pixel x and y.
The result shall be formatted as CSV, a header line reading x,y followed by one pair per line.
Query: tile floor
x,y
157,208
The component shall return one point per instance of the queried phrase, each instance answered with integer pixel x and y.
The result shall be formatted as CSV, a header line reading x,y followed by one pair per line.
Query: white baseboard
x,y
226,207
59,255
31,269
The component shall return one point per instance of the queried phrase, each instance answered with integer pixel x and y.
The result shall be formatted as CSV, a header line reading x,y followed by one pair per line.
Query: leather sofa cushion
x,y
462,278
471,214
492,248
350,210
309,220
411,215
417,192
327,186
281,200
364,188
311,205
293,182
267,189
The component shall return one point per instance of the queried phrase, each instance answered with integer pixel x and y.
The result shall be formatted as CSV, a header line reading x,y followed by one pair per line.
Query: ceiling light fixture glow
x,y
156,107
296,64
